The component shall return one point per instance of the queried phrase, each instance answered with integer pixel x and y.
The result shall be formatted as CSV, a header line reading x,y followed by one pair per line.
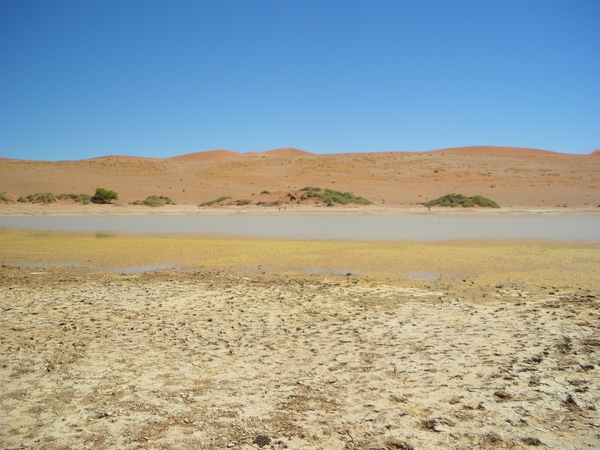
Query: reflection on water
x,y
150,268
48,265
420,227
423,275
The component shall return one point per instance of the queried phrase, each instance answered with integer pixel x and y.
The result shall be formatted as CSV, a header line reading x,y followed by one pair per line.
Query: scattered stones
x,y
265,367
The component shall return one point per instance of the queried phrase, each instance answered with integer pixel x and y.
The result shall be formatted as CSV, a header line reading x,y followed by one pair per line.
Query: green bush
x,y
155,201
454,200
244,202
22,199
264,192
212,202
104,196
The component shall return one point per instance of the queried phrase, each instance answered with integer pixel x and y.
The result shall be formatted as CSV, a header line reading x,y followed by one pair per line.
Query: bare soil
x,y
235,359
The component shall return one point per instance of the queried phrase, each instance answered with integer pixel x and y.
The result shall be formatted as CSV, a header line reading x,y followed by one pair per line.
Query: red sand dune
x,y
288,151
119,157
510,176
210,154
495,151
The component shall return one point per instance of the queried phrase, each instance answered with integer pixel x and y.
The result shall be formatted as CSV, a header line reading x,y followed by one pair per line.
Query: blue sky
x,y
80,79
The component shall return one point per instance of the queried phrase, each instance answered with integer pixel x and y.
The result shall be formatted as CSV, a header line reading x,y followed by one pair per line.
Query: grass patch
x,y
244,201
45,197
212,202
454,200
330,197
79,198
487,263
154,201
5,198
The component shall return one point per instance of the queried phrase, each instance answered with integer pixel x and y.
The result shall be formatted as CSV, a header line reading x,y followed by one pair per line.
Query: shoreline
x,y
119,209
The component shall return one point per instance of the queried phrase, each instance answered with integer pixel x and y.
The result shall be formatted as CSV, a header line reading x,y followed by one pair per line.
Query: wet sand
x,y
419,345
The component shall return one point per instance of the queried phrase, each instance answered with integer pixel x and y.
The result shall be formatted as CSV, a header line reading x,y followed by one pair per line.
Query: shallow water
x,y
355,227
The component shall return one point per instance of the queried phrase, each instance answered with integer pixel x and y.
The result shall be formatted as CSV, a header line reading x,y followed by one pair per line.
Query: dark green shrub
x,y
264,192
244,202
212,202
22,199
104,196
329,197
155,201
454,200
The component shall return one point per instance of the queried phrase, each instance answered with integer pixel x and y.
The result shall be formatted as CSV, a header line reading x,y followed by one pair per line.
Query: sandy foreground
x,y
265,343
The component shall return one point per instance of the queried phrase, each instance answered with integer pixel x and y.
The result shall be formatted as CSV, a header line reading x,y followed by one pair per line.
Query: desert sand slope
x,y
512,177
211,155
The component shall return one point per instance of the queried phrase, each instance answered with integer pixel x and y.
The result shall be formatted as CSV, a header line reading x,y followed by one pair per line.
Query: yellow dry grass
x,y
560,264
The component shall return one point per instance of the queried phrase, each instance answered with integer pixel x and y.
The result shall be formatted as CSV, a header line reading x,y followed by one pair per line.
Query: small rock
x,y
429,424
454,400
401,445
531,441
570,401
231,445
261,440
502,394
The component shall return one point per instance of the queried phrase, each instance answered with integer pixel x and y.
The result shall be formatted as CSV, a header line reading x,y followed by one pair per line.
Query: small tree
x,y
104,196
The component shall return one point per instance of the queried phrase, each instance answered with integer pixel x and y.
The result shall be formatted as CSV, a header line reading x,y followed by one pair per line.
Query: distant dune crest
x,y
120,157
224,154
288,151
495,150
210,154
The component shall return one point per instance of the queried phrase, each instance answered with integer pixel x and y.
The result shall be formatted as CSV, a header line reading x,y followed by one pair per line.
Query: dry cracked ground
x,y
223,360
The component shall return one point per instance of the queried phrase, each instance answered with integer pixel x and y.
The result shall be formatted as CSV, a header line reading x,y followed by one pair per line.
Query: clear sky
x,y
80,79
